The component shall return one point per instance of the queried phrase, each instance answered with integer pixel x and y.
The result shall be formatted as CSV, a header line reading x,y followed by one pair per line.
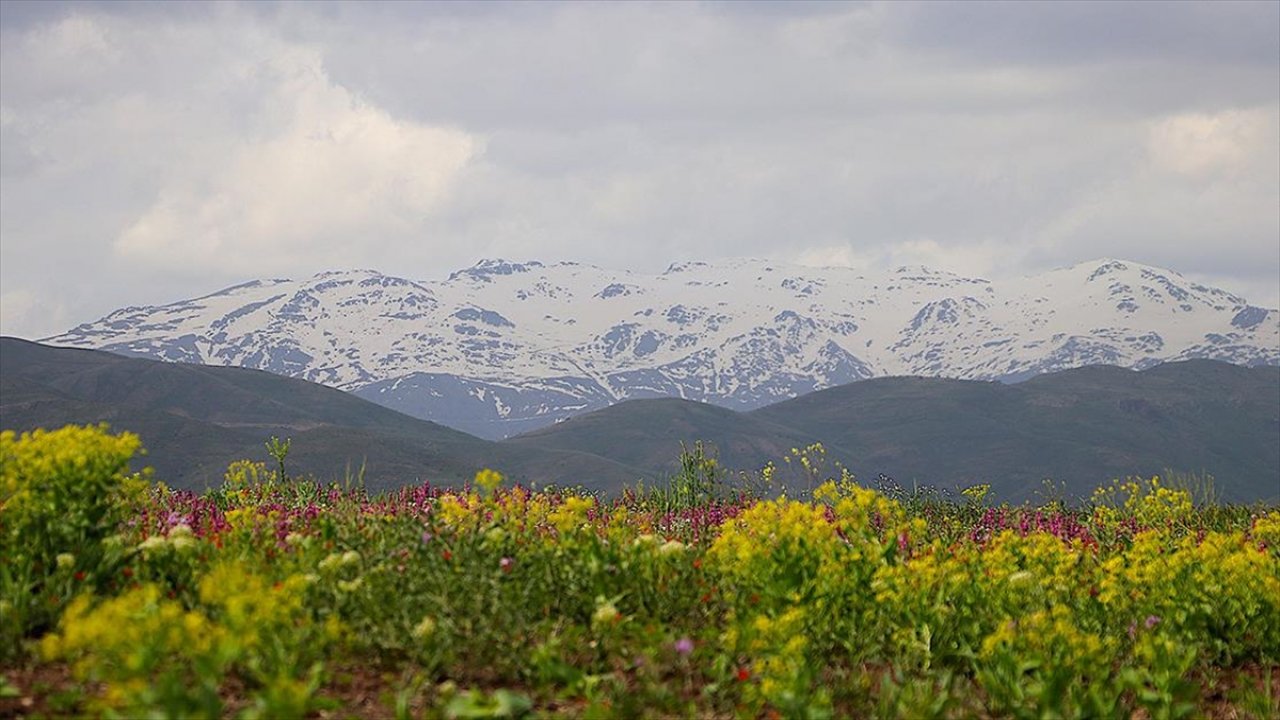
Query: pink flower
x,y
506,563
684,646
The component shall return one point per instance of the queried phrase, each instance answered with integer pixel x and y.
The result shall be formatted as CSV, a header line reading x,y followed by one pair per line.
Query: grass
x,y
279,597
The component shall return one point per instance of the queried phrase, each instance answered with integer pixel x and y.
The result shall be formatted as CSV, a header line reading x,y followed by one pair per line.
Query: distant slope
x,y
649,433
195,419
1080,427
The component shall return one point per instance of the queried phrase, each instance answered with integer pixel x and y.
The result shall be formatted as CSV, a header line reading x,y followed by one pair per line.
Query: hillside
x,y
1079,427
195,419
649,434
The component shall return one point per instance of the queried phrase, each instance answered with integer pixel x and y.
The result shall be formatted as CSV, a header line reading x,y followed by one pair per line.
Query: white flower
x,y
671,547
66,560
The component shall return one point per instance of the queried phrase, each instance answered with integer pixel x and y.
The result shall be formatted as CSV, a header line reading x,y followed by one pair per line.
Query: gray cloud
x,y
155,151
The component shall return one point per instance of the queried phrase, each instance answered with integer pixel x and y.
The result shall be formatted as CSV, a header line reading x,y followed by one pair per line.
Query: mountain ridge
x,y
503,347
1078,428
1081,427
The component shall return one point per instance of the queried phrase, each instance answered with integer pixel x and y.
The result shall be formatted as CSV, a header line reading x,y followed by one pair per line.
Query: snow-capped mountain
x,y
502,347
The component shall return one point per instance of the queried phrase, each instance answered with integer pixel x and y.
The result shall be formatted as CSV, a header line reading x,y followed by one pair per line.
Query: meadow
x,y
276,597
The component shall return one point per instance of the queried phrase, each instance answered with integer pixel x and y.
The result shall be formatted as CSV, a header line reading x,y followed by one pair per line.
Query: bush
x,y
63,496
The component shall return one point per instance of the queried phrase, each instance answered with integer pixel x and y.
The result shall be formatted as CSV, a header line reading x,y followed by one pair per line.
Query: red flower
x,y
79,576
446,555
744,674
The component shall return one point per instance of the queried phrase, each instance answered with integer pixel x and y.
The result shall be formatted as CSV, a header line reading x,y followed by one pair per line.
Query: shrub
x,y
63,496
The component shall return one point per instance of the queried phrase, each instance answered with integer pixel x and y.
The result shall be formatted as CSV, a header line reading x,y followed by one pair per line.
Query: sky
x,y
158,151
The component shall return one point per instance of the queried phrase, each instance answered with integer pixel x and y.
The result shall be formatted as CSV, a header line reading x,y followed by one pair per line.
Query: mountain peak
x,y
502,347
485,269
362,272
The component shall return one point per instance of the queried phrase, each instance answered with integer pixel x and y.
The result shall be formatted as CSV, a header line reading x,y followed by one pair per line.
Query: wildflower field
x,y
277,597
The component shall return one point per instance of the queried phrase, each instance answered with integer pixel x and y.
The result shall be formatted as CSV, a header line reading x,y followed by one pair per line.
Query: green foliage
x,y
63,495
279,450
848,602
475,704
699,481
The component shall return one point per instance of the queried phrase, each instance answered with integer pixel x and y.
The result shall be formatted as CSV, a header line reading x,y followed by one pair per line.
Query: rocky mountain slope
x,y
503,348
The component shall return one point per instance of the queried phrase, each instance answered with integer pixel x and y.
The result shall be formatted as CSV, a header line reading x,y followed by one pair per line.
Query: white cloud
x,y
15,311
331,180
1199,144
27,313
152,152
986,259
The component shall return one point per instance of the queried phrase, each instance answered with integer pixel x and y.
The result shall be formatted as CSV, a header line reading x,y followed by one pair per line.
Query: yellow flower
x,y
671,547
488,480
152,544
571,514
606,613
425,628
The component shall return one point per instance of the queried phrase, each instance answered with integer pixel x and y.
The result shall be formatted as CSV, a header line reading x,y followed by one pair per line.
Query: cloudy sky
x,y
153,152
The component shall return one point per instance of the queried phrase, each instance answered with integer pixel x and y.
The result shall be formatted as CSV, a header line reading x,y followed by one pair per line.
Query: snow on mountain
x,y
502,348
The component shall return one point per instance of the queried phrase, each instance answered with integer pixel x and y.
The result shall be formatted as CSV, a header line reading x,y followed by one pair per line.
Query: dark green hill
x,y
648,434
195,419
1079,427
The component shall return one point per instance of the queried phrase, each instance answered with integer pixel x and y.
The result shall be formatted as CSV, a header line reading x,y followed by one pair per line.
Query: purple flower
x,y
684,646
426,537
1152,621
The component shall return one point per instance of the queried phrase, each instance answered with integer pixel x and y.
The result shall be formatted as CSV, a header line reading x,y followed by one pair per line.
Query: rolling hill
x,y
649,433
1078,427
195,419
